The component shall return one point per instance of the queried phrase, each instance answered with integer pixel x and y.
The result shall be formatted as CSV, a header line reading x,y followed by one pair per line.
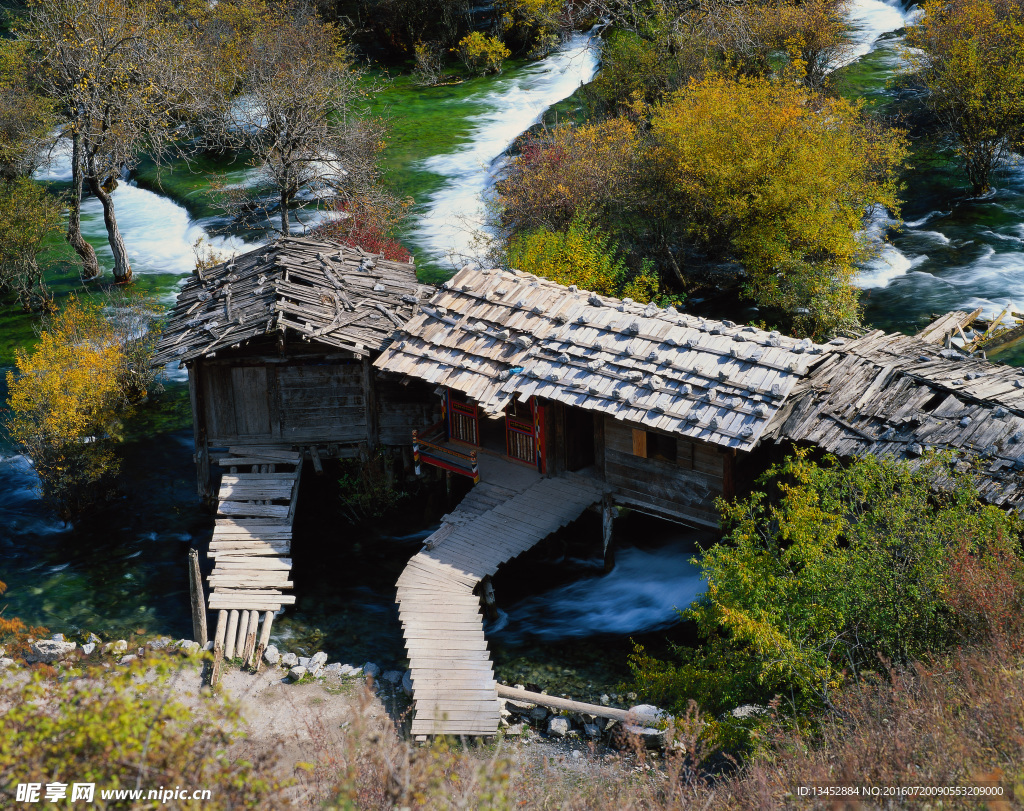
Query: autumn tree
x,y
69,396
777,179
124,79
29,215
969,54
26,116
298,107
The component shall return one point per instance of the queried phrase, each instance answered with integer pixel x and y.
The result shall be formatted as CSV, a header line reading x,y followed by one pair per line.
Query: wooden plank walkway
x,y
251,546
454,689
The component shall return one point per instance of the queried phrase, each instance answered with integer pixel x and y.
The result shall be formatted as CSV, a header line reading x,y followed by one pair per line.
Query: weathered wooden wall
x,y
685,489
305,400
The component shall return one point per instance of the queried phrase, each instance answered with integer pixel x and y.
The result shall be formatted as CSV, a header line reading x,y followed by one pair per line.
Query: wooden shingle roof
x,y
899,396
320,291
497,335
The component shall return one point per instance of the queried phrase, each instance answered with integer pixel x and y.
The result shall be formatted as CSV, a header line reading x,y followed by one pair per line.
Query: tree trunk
x,y
285,220
122,267
90,265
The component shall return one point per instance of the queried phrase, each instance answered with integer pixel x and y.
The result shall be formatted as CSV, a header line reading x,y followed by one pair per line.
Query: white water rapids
x,y
451,223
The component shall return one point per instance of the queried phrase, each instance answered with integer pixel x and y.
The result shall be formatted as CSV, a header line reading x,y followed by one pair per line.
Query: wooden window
x,y
463,422
661,446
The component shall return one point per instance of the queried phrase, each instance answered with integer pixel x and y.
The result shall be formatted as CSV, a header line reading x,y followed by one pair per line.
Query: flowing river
x,y
125,571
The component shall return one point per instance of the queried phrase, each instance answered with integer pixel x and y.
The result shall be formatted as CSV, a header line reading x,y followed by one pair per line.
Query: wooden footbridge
x,y
454,689
251,547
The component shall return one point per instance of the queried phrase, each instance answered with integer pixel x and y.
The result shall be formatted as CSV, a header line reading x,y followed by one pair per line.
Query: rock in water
x,y
50,650
407,683
558,727
370,669
88,648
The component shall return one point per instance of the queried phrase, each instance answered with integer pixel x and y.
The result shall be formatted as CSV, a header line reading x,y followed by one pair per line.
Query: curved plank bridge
x,y
454,689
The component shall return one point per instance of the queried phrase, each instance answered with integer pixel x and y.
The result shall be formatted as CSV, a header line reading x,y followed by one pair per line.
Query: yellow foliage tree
x,y
69,396
778,179
482,53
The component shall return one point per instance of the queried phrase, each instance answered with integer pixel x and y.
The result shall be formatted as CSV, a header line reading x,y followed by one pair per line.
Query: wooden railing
x,y
427,448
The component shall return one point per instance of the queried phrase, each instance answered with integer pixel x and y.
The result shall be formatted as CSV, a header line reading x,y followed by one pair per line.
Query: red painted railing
x,y
427,448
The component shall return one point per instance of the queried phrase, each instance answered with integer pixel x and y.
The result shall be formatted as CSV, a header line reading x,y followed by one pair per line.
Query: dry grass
x,y
954,721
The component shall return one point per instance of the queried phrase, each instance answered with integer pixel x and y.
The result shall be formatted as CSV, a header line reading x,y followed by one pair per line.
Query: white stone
x,y
5,663
88,648
605,700
159,643
558,727
121,646
335,667
189,647
58,638
289,660
297,672
95,640
50,650
127,659
319,658
271,655
304,661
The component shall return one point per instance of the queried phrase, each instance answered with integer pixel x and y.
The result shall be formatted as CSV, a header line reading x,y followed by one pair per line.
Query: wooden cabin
x,y
279,345
662,407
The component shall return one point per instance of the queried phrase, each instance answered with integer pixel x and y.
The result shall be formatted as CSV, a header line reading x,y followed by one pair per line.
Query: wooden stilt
x,y
195,583
218,646
243,627
229,644
250,637
268,620
608,513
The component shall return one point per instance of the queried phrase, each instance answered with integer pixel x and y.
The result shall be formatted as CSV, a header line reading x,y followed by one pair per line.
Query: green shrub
x,y
841,571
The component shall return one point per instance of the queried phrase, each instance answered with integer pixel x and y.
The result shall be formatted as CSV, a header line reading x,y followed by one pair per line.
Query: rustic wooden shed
x,y
900,396
661,406
279,344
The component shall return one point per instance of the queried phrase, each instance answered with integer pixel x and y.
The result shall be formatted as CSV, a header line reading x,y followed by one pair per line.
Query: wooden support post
x,y
487,597
370,405
608,514
416,452
314,456
250,637
232,633
218,646
243,627
195,584
268,620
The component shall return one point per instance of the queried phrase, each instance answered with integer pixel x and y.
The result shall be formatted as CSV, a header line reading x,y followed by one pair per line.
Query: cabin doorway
x,y
579,438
